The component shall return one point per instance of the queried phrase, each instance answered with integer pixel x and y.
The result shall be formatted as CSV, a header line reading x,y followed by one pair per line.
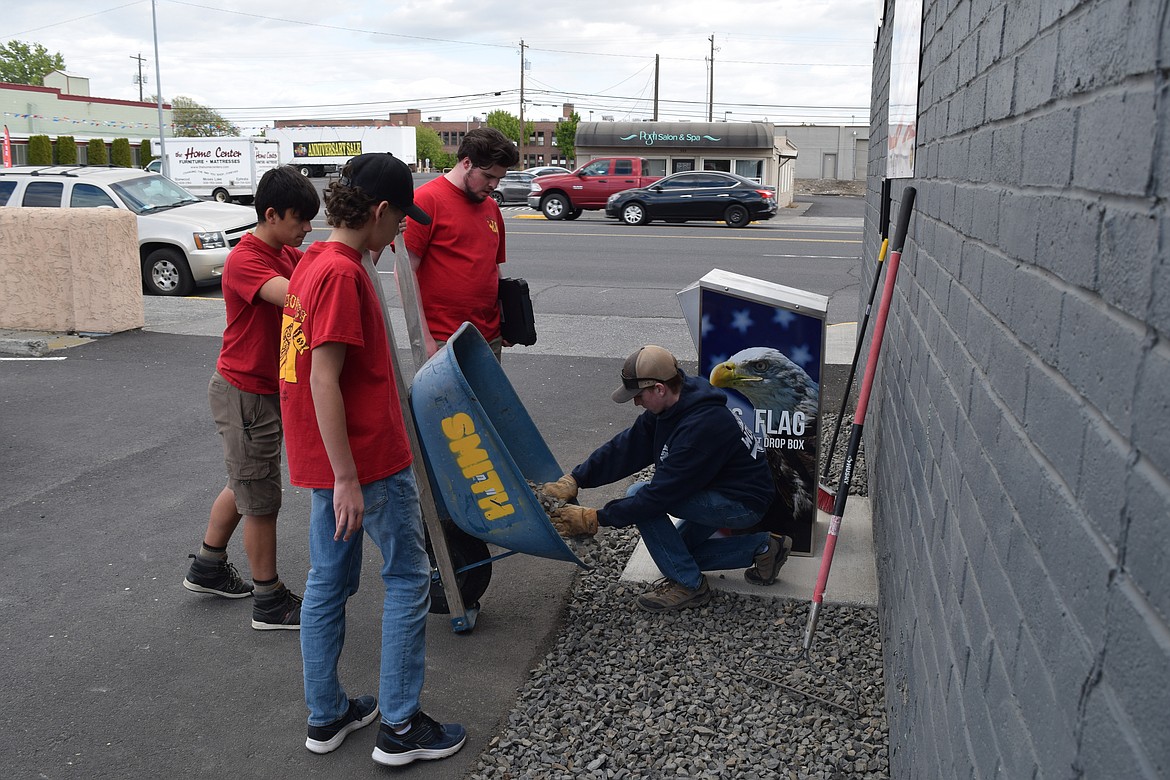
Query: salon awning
x,y
676,135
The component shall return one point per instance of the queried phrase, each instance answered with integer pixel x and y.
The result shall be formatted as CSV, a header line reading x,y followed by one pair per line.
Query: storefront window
x,y
656,166
680,164
752,169
717,165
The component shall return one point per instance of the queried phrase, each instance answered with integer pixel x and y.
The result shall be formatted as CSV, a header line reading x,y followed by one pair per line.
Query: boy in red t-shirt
x,y
347,441
244,404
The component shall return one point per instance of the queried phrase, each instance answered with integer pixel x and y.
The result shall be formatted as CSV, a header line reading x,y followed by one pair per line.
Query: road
x,y
593,271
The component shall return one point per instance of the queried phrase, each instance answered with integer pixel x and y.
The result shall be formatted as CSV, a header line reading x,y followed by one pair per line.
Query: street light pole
x,y
162,142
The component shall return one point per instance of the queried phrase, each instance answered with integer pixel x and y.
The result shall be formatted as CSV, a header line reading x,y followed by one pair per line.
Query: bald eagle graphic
x,y
769,380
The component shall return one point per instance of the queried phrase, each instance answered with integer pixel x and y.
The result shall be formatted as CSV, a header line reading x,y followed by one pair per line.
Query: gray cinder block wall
x,y
1019,437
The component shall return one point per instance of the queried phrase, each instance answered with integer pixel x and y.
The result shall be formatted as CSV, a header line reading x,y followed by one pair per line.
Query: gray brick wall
x,y
1019,435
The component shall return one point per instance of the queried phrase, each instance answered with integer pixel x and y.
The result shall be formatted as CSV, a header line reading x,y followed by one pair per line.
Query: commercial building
x,y
829,151
64,107
750,149
1018,441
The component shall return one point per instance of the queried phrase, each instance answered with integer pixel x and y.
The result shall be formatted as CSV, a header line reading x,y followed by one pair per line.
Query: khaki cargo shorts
x,y
249,425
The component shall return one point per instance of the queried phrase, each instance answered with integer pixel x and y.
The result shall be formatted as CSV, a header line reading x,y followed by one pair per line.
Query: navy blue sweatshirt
x,y
697,444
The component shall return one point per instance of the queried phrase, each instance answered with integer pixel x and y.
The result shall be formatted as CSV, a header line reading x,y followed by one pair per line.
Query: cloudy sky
x,y
781,60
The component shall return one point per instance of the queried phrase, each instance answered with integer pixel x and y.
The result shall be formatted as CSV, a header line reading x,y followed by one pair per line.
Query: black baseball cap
x,y
384,177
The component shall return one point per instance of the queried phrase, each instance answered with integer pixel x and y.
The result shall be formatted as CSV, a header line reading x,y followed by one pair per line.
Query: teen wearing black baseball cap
x,y
384,177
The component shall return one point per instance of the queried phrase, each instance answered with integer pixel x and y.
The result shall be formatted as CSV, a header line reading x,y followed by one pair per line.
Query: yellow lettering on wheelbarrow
x,y
476,466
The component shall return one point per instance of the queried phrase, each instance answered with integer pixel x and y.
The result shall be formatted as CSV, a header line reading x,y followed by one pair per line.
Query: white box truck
x,y
316,151
221,168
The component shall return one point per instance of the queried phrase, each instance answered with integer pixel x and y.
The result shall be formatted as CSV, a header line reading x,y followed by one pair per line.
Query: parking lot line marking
x,y
820,257
721,237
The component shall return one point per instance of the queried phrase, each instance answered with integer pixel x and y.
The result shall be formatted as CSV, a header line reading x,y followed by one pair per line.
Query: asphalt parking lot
x,y
114,670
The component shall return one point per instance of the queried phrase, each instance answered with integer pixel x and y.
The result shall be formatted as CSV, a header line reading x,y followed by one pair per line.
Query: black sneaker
x,y
218,577
276,610
425,740
326,739
766,566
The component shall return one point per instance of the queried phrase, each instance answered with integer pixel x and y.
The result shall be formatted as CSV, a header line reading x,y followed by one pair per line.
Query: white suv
x,y
182,240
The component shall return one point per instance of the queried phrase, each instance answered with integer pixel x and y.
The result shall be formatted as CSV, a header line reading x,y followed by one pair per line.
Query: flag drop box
x,y
764,344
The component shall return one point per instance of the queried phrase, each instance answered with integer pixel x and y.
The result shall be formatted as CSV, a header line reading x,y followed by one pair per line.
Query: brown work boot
x,y
668,595
766,566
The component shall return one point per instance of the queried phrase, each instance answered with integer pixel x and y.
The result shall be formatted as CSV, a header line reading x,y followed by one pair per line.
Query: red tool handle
x,y
875,349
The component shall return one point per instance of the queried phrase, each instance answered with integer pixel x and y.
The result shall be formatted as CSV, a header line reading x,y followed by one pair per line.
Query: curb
x,y
37,343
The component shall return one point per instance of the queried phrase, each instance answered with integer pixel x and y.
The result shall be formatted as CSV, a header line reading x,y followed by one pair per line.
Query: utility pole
x,y
522,133
655,87
711,83
140,80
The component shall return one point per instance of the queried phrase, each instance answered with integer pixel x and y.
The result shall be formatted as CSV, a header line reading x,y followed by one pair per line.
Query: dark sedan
x,y
695,195
513,188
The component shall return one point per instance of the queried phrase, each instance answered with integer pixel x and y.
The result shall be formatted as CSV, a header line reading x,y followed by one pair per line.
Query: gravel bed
x,y
628,694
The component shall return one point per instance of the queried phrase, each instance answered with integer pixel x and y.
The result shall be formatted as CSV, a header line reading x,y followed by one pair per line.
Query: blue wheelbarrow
x,y
481,448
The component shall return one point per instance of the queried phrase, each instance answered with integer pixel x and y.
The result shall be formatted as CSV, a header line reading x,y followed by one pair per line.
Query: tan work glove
x,y
564,489
573,520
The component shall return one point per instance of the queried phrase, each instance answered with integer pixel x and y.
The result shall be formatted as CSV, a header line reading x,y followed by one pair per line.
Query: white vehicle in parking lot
x,y
182,241
222,169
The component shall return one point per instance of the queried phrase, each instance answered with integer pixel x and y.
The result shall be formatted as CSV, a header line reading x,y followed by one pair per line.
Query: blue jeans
x,y
394,522
682,554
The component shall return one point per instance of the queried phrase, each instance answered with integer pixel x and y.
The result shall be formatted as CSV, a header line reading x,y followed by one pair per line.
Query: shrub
x,y
40,150
66,150
120,153
97,152
144,154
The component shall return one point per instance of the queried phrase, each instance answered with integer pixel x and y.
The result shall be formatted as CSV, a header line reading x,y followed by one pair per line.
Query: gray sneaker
x,y
216,577
766,566
668,595
280,609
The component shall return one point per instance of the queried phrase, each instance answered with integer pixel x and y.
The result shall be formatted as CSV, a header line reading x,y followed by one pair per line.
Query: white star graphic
x,y
801,355
784,318
741,320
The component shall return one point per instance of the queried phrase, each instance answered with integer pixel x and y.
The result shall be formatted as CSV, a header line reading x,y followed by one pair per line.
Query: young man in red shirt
x,y
457,256
347,441
244,403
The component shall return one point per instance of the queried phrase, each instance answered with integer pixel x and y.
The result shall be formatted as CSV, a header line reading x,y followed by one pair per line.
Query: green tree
x,y
144,154
97,152
22,63
508,124
193,120
40,150
120,153
428,146
66,150
566,135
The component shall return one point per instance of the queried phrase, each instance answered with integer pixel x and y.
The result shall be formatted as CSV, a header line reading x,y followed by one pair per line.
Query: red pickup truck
x,y
566,195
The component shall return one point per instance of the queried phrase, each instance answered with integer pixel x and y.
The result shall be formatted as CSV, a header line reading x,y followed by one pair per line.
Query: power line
x,y
74,19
